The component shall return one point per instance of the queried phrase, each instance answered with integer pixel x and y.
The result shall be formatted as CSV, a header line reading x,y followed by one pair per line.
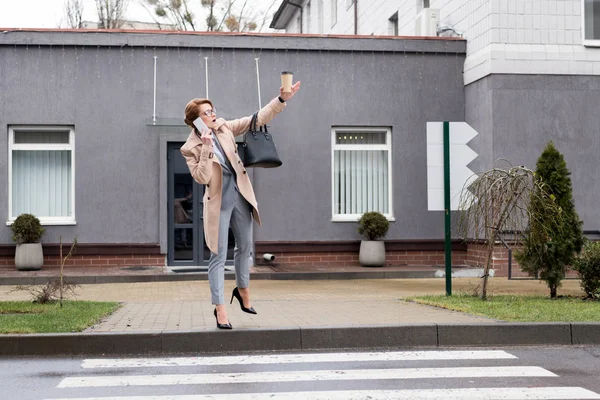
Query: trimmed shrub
x,y
373,225
27,229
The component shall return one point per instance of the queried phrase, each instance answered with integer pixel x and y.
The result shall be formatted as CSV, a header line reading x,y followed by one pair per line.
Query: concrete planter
x,y
29,257
372,253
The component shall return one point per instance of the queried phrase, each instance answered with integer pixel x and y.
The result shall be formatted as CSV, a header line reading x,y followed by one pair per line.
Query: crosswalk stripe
x,y
414,394
293,376
298,358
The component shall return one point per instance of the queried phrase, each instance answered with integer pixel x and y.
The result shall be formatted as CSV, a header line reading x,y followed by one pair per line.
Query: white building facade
x,y
503,36
531,75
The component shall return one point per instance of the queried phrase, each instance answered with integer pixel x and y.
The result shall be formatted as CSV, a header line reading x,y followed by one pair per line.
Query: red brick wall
x,y
477,255
96,261
474,256
393,258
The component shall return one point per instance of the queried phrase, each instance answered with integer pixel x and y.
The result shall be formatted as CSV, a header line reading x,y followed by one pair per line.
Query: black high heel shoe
x,y
237,295
222,326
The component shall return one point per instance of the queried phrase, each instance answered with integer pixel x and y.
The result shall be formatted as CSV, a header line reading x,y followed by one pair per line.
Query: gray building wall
x,y
517,115
102,84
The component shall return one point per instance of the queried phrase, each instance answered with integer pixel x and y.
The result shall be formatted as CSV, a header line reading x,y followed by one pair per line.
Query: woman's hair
x,y
192,111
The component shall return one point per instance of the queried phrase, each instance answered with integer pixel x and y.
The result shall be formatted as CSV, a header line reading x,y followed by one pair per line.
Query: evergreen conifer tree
x,y
552,241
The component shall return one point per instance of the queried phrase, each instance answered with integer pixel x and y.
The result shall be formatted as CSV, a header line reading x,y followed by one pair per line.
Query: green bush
x,y
373,225
552,240
27,229
587,266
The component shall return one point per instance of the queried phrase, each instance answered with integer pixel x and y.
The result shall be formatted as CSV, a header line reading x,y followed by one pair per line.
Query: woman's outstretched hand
x,y
288,95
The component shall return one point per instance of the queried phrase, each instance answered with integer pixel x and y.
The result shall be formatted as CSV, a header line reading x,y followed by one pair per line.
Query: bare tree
x,y
110,13
48,292
222,14
211,20
177,12
267,15
74,13
234,21
498,201
63,260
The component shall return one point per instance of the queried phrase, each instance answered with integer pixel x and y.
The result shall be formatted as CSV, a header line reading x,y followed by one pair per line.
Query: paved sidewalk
x,y
185,306
176,318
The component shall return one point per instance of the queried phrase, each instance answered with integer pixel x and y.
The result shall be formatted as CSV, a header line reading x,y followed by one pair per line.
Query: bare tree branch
x,y
267,15
175,11
74,13
111,12
227,14
496,201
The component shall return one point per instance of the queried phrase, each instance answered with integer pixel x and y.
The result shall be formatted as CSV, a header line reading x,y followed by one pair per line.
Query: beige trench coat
x,y
206,169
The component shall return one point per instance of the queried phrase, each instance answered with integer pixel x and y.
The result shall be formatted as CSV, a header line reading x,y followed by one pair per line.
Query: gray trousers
x,y
238,216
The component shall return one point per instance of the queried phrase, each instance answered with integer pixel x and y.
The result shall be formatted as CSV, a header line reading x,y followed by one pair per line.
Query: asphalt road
x,y
458,373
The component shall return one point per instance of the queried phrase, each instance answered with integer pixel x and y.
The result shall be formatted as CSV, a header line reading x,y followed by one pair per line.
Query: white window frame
x,y
586,42
387,146
69,220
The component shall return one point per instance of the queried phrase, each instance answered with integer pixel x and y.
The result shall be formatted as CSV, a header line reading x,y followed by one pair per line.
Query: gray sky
x,y
49,13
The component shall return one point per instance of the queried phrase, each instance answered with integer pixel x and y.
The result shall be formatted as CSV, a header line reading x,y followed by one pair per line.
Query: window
x,y
333,12
361,172
393,24
349,3
41,174
591,22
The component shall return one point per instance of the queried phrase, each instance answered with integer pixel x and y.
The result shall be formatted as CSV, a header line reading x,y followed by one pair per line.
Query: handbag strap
x,y
253,122
266,131
252,128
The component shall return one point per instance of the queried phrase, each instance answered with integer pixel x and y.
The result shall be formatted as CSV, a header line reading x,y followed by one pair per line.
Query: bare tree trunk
x,y
241,14
211,17
190,20
110,13
62,265
74,13
488,264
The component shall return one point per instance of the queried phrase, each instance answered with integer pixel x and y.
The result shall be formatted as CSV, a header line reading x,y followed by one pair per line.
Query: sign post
x,y
447,174
447,220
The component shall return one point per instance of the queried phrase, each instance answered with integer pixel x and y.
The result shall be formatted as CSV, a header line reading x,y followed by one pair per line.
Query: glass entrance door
x,y
186,233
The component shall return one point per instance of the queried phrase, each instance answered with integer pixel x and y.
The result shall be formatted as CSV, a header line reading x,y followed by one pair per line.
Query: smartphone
x,y
200,125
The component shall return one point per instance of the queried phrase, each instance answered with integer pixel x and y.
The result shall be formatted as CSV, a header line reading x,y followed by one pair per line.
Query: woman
x,y
229,199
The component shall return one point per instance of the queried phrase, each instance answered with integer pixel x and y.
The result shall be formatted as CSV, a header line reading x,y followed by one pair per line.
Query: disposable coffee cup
x,y
286,80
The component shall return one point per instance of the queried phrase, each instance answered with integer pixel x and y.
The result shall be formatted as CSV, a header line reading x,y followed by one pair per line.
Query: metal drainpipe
x,y
356,17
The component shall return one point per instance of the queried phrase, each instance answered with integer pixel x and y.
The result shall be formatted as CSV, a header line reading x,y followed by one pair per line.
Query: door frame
x,y
197,223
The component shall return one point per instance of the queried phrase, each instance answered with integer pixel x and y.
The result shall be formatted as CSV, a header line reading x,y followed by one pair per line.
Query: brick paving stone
x,y
185,305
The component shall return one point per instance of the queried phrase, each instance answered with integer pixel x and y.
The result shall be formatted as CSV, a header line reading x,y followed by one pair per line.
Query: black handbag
x,y
258,150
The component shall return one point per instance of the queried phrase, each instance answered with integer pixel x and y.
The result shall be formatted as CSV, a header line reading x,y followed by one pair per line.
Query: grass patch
x,y
518,308
74,316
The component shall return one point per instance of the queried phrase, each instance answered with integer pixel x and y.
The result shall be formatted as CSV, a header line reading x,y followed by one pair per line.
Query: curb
x,y
172,277
301,339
